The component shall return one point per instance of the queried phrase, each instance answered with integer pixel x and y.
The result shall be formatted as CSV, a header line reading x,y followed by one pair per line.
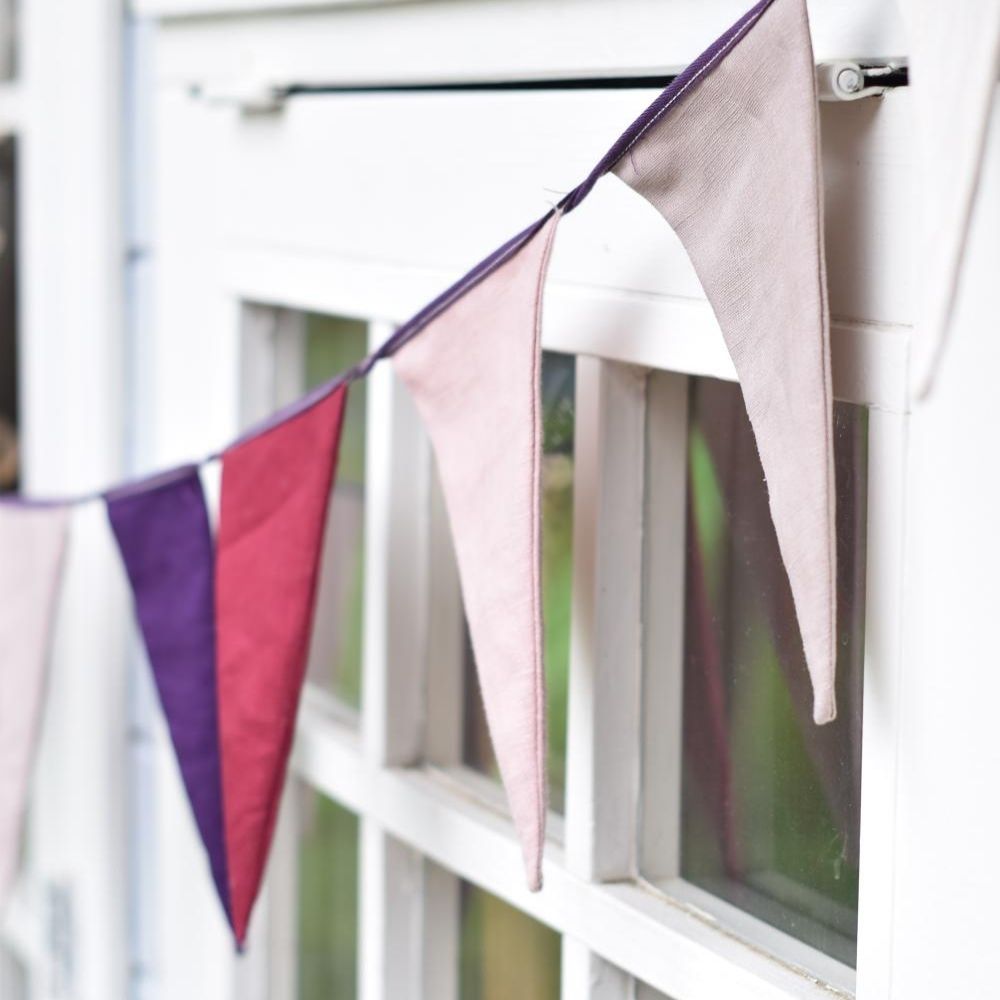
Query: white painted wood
x,y
281,948
390,950
887,504
442,743
66,108
446,641
396,642
306,209
605,653
585,974
667,333
946,878
669,946
603,745
783,947
328,167
663,624
397,482
442,919
484,39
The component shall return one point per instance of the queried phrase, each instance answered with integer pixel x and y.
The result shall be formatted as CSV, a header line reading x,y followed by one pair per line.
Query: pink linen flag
x,y
474,373
32,543
734,168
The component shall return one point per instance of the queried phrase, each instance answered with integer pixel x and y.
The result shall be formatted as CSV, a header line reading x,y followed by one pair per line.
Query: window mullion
x,y
883,667
602,737
390,949
442,744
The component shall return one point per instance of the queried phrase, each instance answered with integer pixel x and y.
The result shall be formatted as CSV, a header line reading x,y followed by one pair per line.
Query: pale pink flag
x,y
32,542
734,168
474,374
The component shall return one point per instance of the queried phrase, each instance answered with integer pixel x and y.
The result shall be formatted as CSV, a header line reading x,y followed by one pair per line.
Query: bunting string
x,y
728,154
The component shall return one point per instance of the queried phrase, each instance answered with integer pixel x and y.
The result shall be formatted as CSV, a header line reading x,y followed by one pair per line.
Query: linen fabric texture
x,y
275,492
32,547
165,539
734,168
474,374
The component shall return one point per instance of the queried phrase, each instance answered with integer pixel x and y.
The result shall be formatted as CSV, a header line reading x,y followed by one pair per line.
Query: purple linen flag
x,y
32,543
163,532
734,168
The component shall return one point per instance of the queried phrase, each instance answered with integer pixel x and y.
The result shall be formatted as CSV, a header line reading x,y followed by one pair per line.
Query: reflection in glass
x,y
332,346
504,953
770,801
328,898
558,413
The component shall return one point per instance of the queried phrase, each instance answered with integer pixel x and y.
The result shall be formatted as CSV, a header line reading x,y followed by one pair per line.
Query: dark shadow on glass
x,y
771,802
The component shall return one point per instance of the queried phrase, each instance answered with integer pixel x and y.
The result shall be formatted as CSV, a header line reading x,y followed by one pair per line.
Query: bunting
x,y
728,154
474,374
734,168
32,544
165,538
275,490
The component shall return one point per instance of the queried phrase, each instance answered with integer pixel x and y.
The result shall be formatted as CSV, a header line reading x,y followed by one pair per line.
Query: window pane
x,y
333,345
558,412
505,953
328,898
771,802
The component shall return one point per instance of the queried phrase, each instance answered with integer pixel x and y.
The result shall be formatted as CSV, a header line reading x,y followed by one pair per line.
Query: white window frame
x,y
414,798
398,771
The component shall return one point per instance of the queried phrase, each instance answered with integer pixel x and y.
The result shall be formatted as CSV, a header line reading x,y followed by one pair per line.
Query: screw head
x,y
849,80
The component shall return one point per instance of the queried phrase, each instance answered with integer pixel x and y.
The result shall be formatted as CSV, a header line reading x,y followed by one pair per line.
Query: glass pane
x,y
558,413
328,898
333,345
771,802
504,953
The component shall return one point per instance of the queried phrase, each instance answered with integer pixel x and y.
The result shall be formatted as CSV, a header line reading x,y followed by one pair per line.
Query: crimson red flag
x,y
275,490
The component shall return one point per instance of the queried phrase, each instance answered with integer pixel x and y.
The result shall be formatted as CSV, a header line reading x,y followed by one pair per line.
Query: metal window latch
x,y
844,80
248,98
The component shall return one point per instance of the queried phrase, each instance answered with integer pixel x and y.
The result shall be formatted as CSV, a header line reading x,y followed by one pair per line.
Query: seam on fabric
x,y
824,305
688,84
538,624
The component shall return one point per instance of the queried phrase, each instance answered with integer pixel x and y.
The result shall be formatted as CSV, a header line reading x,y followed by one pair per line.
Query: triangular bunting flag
x,y
474,373
734,168
32,543
954,61
275,490
163,531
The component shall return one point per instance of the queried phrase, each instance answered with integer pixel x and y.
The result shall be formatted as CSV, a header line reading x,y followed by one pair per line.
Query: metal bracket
x,y
844,80
247,98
